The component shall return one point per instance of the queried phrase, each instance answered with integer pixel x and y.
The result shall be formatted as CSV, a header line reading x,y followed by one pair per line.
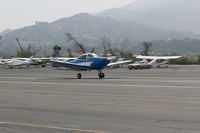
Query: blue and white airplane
x,y
87,62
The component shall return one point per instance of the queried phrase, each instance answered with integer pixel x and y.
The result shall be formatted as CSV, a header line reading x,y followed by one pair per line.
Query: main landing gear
x,y
100,74
79,75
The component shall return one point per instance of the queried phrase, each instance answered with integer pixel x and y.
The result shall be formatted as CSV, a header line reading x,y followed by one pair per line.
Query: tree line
x,y
109,48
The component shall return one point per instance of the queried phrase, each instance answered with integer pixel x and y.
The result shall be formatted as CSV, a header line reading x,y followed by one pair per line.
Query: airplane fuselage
x,y
92,63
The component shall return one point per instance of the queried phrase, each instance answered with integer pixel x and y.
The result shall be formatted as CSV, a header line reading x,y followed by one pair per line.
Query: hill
x,y
88,29
179,15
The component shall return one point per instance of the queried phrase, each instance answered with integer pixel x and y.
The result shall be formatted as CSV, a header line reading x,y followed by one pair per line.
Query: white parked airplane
x,y
157,61
1,61
11,63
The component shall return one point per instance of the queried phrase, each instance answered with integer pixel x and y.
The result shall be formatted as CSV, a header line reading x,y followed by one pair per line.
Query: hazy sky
x,y
19,13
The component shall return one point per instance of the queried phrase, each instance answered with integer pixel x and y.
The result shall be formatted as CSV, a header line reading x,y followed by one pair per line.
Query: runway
x,y
41,100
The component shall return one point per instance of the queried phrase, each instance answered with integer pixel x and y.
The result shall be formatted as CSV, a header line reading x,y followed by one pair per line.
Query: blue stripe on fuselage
x,y
98,63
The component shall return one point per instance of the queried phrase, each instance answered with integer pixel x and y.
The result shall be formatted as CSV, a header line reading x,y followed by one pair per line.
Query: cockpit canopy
x,y
86,56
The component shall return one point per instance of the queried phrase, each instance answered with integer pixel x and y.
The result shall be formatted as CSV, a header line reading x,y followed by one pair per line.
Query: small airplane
x,y
87,62
11,63
2,61
157,61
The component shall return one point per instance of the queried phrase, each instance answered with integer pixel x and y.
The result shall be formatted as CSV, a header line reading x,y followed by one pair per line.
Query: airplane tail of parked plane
x,y
29,60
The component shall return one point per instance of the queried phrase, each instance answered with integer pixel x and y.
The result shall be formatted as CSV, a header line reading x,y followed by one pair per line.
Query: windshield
x,y
86,56
83,57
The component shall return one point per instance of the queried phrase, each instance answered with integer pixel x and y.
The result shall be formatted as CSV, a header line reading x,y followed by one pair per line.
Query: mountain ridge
x,y
179,15
87,29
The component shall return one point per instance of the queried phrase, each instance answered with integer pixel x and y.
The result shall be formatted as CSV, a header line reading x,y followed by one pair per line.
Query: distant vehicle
x,y
87,62
139,65
157,61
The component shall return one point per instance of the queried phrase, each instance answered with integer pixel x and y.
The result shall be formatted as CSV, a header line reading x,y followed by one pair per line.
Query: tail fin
x,y
29,60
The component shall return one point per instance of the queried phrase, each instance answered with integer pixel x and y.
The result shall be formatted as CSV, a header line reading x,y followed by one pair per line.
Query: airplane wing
x,y
73,66
119,62
2,63
158,57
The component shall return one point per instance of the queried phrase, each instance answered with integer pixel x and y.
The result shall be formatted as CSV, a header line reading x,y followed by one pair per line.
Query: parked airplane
x,y
10,63
157,61
87,62
1,61
46,59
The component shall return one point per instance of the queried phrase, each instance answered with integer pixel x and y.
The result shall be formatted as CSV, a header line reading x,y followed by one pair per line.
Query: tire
x,y
101,75
79,76
137,67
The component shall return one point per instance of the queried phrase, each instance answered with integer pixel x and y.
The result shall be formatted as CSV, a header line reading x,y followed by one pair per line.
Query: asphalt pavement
x,y
44,100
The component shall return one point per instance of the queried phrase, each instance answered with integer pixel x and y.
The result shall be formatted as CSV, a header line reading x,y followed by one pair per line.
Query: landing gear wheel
x,y
101,75
79,75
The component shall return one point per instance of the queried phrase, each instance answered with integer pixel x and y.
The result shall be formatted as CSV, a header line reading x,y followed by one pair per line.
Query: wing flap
x,y
119,62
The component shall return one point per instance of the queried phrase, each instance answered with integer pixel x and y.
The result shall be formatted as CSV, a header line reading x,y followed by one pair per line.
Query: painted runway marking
x,y
49,127
112,85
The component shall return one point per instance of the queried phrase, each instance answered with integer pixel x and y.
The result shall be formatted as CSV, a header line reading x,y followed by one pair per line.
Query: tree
x,y
69,51
104,44
108,47
34,50
146,48
0,40
56,49
125,54
20,46
27,52
198,60
183,61
24,54
77,44
93,50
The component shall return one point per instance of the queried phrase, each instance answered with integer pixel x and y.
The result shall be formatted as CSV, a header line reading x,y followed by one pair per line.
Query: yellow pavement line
x,y
49,127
